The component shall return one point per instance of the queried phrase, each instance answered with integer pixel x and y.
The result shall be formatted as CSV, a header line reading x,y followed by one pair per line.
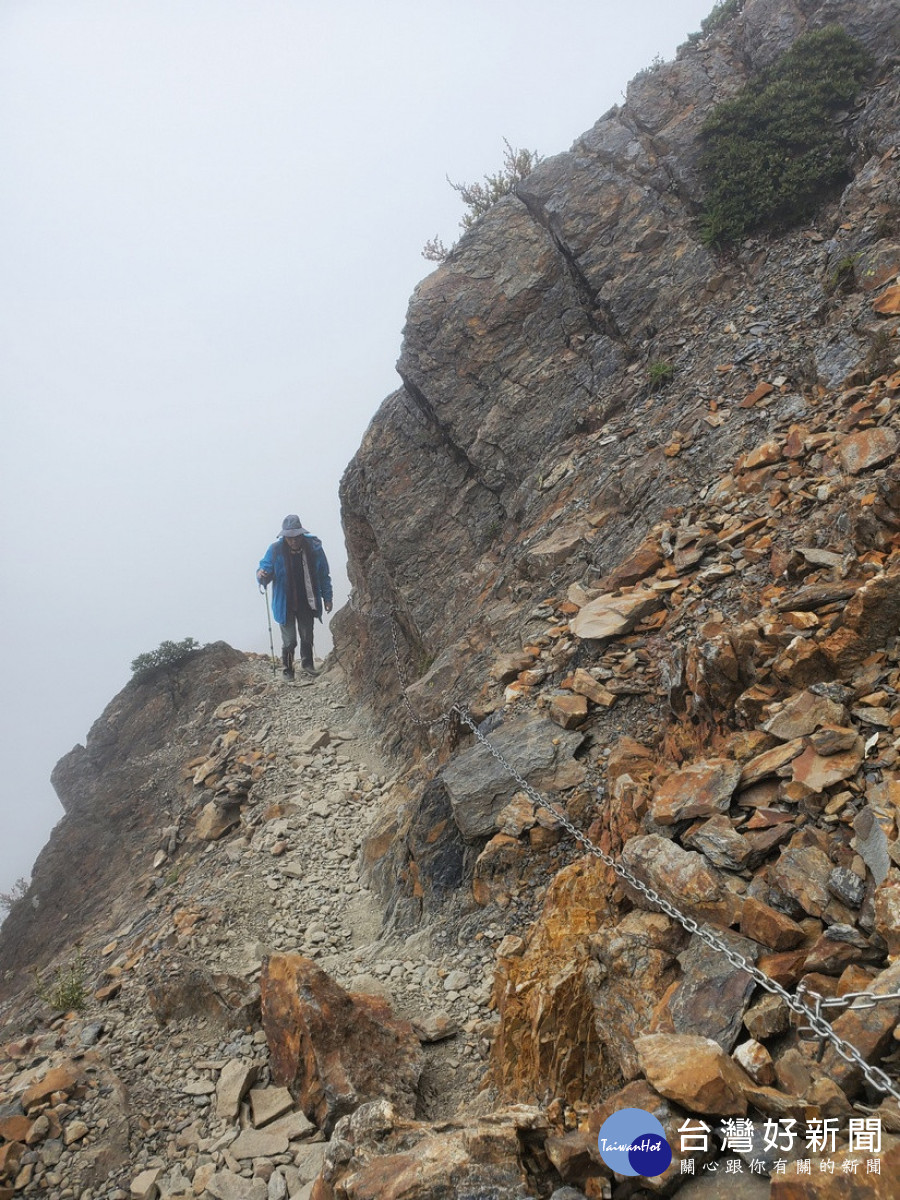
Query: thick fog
x,y
211,219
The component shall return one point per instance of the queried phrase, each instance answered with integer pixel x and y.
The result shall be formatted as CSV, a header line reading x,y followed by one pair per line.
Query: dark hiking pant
x,y
302,624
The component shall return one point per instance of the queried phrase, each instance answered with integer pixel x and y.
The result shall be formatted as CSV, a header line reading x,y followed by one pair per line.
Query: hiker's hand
x,y
264,577
328,606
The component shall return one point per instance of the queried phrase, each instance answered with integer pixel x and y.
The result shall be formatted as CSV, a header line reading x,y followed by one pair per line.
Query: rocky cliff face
x,y
120,794
524,435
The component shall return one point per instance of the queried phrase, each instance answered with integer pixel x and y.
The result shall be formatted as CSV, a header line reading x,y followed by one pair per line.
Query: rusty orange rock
x,y
547,1038
887,912
769,927
682,877
888,303
60,1079
645,560
701,789
499,869
568,711
334,1050
842,1183
868,448
694,1072
818,772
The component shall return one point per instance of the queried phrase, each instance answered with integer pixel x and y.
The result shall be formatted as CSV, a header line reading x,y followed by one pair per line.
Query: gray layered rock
x,y
480,787
525,404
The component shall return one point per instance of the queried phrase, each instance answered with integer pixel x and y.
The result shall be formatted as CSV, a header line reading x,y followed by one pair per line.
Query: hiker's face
x,y
294,542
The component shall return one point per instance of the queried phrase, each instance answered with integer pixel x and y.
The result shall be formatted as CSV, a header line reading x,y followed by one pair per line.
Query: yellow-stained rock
x,y
547,1039
334,1050
694,1072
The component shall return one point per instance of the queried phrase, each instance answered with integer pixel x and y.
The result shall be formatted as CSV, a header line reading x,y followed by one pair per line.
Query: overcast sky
x,y
211,219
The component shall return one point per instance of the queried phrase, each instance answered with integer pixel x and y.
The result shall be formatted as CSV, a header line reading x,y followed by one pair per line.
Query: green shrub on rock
x,y
167,654
772,152
721,12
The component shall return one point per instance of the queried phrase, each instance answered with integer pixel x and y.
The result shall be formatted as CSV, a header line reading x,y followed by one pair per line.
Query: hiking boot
x,y
309,669
287,660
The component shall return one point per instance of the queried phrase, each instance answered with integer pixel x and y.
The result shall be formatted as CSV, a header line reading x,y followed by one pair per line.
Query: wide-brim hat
x,y
292,526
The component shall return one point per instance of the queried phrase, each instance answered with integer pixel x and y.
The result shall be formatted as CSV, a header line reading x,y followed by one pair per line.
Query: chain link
x,y
816,1027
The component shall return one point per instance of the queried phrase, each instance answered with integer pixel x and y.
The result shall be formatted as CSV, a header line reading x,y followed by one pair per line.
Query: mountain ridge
x,y
671,605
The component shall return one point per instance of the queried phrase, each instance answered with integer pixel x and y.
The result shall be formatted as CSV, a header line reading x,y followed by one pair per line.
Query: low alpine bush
x,y
772,153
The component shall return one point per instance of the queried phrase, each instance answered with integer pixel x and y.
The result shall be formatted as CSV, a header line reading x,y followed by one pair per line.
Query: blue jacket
x,y
274,565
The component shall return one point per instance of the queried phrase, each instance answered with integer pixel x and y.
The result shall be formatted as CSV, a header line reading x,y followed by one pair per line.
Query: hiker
x,y
297,563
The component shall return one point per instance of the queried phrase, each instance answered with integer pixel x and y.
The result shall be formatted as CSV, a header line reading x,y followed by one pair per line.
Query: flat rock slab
x,y
225,1185
803,714
713,995
613,616
682,877
820,771
294,1126
480,788
866,449
802,873
143,1186
258,1143
268,1103
699,790
234,1079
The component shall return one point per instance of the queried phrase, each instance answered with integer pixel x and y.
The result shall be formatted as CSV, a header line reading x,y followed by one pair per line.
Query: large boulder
x,y
480,787
332,1049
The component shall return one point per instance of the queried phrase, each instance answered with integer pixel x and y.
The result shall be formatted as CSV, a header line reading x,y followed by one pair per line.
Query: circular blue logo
x,y
633,1142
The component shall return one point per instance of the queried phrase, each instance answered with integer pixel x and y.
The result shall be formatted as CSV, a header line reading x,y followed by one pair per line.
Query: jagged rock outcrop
x,y
119,791
525,407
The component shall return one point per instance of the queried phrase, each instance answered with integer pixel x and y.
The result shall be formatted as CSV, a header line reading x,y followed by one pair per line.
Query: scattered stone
x,y
770,761
682,877
869,448
226,1185
802,714
568,710
802,873
887,912
586,685
769,926
480,788
818,772
508,666
435,1027
868,1029
755,1059
713,995
258,1143
720,842
144,1185
293,1126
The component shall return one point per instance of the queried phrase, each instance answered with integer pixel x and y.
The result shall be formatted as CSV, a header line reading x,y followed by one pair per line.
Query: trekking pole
x,y
265,592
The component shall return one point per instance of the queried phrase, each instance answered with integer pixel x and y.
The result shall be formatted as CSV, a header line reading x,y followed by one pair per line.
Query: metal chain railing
x,y
816,1027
